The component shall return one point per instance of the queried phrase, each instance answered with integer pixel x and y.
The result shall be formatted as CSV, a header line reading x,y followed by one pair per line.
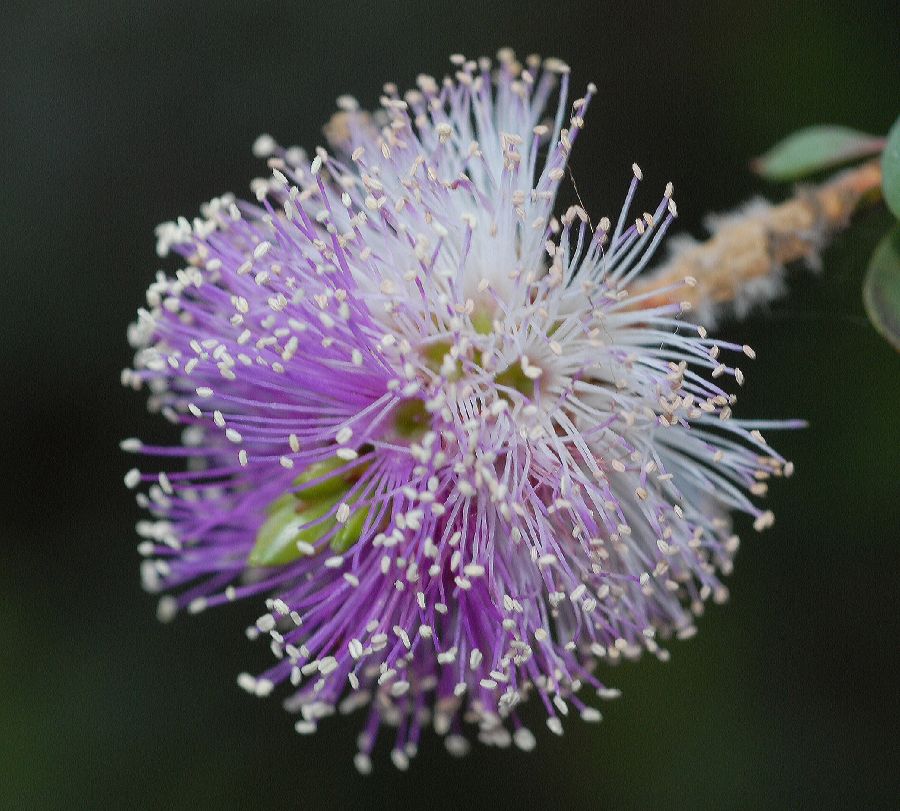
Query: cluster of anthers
x,y
424,418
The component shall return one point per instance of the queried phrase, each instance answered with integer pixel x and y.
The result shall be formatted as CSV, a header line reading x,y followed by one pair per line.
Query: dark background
x,y
116,116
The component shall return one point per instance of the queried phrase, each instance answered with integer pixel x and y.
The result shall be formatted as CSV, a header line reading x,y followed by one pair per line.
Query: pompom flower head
x,y
426,421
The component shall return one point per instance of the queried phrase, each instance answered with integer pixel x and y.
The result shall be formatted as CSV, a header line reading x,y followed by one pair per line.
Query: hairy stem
x,y
751,245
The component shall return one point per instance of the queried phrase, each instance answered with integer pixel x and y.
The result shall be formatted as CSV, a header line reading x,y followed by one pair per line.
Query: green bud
x,y
276,541
350,533
323,488
283,502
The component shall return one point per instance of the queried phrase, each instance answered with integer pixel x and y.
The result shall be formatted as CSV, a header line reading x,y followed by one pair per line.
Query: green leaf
x,y
815,148
890,170
881,288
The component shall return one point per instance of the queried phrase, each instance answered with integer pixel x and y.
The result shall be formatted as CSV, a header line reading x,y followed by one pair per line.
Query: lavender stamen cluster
x,y
423,418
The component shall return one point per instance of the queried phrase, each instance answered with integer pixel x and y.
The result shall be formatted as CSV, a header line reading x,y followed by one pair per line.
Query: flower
x,y
424,418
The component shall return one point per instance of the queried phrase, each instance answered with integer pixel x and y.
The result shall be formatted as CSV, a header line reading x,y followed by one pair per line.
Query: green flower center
x,y
514,377
410,419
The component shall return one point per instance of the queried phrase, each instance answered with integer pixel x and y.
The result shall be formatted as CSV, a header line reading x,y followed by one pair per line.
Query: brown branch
x,y
752,245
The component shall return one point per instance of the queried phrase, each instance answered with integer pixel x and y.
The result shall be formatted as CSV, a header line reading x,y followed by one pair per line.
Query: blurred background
x,y
118,115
